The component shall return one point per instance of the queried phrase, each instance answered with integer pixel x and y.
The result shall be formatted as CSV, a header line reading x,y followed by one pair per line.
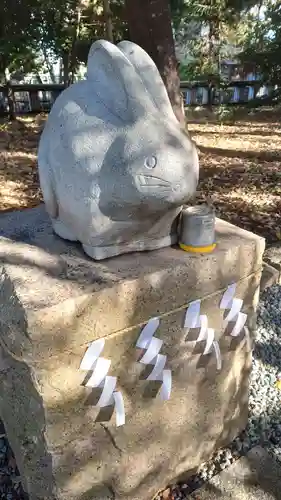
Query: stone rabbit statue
x,y
115,167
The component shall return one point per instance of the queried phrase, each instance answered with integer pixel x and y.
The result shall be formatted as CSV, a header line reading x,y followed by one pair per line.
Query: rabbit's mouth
x,y
151,181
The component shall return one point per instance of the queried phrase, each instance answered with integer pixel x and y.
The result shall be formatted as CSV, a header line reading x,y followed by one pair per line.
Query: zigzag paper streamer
x,y
233,305
100,366
193,319
152,356
216,348
192,314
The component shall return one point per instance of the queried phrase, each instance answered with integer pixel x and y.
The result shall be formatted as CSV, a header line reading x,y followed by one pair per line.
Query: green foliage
x,y
217,21
69,27
263,43
179,9
18,34
33,32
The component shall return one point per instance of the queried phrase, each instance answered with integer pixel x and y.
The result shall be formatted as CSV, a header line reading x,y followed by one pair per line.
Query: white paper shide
x,y
92,362
193,319
232,305
152,356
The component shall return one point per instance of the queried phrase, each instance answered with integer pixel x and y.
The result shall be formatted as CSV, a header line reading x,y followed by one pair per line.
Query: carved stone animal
x,y
115,167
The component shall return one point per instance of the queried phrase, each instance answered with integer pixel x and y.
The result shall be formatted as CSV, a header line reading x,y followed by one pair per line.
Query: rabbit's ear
x,y
149,74
116,82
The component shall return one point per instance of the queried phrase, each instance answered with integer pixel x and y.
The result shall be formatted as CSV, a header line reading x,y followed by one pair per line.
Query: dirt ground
x,y
240,169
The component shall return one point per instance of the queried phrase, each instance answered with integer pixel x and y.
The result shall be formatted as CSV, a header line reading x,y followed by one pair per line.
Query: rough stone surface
x,y
272,256
55,302
257,476
115,167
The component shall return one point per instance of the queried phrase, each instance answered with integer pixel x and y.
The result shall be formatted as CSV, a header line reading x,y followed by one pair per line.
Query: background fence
x,y
230,93
26,99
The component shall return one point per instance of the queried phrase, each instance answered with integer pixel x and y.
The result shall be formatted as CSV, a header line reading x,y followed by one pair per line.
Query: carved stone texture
x,y
115,167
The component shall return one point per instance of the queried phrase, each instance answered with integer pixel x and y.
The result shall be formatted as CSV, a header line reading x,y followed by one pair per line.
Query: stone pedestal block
x,y
55,302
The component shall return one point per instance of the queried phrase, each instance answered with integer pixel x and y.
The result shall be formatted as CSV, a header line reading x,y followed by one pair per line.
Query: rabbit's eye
x,y
150,162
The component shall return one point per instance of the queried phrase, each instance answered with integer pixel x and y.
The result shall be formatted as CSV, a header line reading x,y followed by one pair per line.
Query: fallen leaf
x,y
278,385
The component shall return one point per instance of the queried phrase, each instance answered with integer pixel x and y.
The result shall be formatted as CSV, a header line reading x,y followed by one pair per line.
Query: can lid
x,y
198,210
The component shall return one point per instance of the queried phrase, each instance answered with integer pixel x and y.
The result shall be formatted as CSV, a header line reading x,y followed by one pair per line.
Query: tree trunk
x,y
150,27
65,62
48,64
73,51
61,71
108,21
214,45
10,95
11,102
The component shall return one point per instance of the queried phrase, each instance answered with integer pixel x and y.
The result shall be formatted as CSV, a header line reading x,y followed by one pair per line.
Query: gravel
x,y
264,425
10,485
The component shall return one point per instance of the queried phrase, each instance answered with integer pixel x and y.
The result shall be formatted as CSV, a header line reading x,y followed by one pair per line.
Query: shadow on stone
x,y
105,414
152,389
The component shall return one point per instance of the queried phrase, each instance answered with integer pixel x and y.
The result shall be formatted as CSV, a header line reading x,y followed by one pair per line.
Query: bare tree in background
x,y
150,27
